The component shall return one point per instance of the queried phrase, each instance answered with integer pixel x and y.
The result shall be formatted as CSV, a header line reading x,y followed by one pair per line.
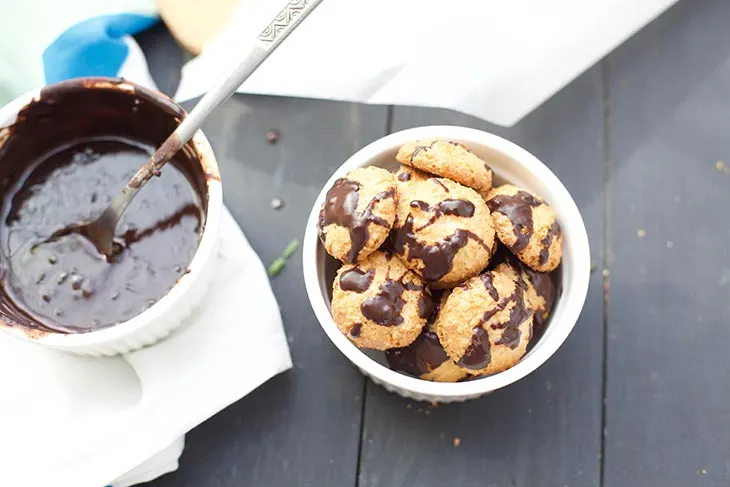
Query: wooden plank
x,y
302,428
545,429
668,405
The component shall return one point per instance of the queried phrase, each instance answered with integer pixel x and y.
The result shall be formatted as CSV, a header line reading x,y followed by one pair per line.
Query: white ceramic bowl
x,y
187,293
510,163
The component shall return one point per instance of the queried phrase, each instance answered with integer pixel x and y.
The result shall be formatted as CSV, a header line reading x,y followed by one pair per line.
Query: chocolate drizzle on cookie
x,y
546,242
355,330
545,289
437,258
420,357
420,148
425,305
438,181
404,176
518,209
356,280
340,208
478,353
385,307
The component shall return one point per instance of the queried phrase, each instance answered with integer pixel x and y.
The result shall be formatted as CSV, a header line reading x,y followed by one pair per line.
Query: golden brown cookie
x,y
527,226
379,303
408,173
425,357
540,292
450,160
486,323
358,213
443,230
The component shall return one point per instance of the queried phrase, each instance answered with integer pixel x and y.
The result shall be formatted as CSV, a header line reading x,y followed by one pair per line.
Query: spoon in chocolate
x,y
100,231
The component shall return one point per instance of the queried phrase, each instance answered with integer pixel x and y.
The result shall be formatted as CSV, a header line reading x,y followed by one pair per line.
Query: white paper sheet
x,y
494,59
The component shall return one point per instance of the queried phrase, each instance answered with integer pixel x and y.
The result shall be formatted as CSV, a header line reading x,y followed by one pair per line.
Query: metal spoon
x,y
100,232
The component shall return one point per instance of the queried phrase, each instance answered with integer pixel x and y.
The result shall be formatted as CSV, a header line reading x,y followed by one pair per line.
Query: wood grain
x,y
545,429
668,394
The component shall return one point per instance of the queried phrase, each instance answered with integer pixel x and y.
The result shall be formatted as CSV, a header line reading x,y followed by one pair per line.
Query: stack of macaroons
x,y
445,273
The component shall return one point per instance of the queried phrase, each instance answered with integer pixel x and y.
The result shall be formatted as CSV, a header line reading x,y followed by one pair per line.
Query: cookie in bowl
x,y
358,213
486,324
379,303
527,226
448,159
443,230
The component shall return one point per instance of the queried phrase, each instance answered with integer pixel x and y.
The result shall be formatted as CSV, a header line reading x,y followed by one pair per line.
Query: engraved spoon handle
x,y
268,40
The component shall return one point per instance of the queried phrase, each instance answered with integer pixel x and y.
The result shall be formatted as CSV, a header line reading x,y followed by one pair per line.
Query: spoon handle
x,y
270,38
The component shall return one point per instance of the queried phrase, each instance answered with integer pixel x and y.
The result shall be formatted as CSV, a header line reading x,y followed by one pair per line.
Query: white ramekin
x,y
510,163
173,308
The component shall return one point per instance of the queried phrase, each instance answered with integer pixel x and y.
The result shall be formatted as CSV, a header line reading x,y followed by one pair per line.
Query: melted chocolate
x,y
489,285
478,353
553,232
544,288
420,148
355,330
478,350
385,307
425,305
518,208
437,258
420,357
356,280
340,208
67,154
438,181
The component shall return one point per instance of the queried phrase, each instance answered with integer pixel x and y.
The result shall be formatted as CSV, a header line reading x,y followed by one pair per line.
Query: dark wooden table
x,y
639,395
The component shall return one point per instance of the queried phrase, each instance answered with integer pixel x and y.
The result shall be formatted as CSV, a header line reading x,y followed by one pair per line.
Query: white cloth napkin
x,y
71,421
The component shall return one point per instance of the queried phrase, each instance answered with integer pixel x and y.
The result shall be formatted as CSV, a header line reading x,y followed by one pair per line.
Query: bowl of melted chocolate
x,y
490,309
65,151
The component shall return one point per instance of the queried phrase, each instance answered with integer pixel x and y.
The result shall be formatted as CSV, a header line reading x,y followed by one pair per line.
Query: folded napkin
x,y
409,52
72,421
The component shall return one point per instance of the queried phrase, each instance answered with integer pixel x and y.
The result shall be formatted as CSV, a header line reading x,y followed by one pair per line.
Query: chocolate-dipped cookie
x,y
379,303
358,213
443,230
486,323
527,226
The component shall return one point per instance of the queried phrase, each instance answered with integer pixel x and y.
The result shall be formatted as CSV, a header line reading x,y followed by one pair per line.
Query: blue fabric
x,y
93,47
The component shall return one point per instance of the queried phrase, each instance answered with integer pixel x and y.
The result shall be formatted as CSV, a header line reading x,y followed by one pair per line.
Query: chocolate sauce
x,y
385,307
553,232
420,148
425,305
404,176
489,285
340,208
438,257
67,154
438,181
478,353
544,288
355,330
518,208
420,357
356,280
